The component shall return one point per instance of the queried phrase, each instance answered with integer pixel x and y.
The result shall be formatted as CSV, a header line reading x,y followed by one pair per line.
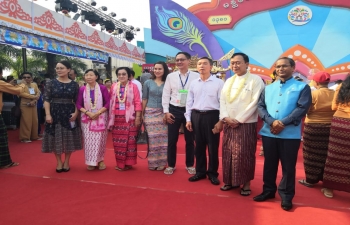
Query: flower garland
x,y
93,105
231,81
118,92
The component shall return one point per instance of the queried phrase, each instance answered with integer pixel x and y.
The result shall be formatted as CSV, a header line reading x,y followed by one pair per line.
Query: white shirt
x,y
203,95
173,85
139,86
244,106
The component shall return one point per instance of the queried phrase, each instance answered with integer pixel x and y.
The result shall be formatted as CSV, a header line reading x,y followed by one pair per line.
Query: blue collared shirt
x,y
203,95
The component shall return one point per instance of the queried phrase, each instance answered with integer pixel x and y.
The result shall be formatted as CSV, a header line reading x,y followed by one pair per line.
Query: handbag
x,y
142,138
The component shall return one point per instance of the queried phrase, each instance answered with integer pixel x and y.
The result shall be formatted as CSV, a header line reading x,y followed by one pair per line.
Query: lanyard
x,y
183,85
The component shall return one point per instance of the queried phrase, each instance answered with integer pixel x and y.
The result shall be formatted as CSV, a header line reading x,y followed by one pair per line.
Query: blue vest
x,y
281,100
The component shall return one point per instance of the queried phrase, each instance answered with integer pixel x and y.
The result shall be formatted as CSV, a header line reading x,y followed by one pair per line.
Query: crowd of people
x,y
80,116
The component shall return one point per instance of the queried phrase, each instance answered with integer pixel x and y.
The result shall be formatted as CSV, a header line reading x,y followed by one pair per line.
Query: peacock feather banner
x,y
176,25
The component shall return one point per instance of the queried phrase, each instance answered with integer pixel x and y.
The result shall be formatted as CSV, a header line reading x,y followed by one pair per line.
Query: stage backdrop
x,y
315,33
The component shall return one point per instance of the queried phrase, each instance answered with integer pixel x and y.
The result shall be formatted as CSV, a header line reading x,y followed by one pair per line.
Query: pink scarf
x,y
98,124
129,105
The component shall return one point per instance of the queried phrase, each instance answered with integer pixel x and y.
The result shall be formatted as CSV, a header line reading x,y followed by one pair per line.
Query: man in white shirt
x,y
174,106
202,114
238,110
138,84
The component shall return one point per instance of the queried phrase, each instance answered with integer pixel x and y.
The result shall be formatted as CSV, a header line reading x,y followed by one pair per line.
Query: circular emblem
x,y
300,15
175,23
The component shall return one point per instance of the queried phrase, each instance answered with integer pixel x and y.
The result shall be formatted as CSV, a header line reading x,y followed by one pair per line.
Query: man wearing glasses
x,y
281,106
174,105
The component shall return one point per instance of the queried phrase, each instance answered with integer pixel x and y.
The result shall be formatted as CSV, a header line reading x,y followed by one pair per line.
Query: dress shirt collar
x,y
242,76
186,74
209,78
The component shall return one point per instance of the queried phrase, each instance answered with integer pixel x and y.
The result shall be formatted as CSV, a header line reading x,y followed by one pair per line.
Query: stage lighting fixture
x,y
92,2
131,28
137,29
123,20
109,25
65,6
103,8
91,17
129,36
112,14
120,30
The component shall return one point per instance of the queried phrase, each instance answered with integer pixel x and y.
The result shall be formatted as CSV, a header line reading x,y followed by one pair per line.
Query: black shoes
x,y
197,178
65,169
214,180
286,205
59,170
264,196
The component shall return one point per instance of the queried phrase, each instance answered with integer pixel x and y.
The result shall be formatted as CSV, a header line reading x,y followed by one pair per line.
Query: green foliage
x,y
11,58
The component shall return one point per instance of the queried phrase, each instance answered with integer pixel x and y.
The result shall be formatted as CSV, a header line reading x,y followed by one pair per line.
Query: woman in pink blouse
x,y
93,103
124,119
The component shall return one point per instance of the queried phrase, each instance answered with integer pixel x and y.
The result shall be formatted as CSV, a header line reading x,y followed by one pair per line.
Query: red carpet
x,y
33,193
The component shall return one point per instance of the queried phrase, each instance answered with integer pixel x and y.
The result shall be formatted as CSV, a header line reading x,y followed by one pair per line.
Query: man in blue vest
x,y
282,105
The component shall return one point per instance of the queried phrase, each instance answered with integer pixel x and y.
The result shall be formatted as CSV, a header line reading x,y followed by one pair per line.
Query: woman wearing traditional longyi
x,y
337,169
154,119
93,102
124,119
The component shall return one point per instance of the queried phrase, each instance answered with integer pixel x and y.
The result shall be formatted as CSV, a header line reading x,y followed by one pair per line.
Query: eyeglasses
x,y
26,77
60,68
282,66
122,74
236,63
180,60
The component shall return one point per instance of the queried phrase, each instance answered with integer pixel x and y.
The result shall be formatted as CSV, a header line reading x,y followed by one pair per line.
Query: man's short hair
x,y
146,71
209,59
245,57
132,73
188,56
0,70
291,61
74,71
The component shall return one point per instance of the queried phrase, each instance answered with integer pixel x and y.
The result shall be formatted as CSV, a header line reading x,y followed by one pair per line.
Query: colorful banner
x,y
49,45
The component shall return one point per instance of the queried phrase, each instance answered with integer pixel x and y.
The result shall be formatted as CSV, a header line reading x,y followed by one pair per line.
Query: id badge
x,y
182,97
122,106
31,91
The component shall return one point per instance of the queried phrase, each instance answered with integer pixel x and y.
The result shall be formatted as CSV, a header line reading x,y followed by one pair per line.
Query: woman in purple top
x,y
93,102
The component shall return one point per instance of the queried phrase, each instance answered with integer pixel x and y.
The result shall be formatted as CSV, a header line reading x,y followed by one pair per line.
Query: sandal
x,y
169,170
123,169
228,187
326,192
306,184
13,164
90,167
191,170
245,192
101,165
152,168
160,168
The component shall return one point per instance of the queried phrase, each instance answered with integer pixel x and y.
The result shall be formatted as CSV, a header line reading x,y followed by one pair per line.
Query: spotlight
x,y
109,26
131,27
138,29
91,17
65,6
103,8
112,14
92,2
129,36
120,30
123,20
